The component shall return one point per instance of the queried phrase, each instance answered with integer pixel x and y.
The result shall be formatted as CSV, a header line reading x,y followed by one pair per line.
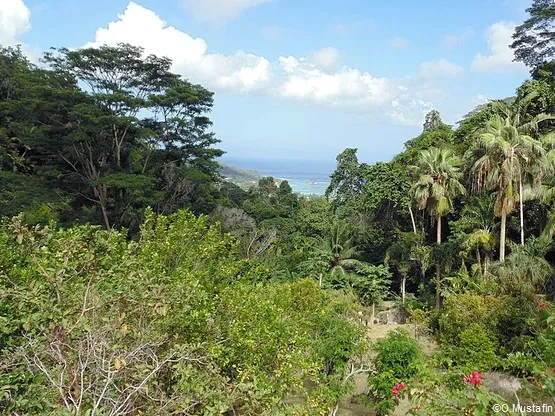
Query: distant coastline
x,y
305,177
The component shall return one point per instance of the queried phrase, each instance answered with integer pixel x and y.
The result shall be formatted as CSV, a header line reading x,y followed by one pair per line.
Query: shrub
x,y
507,321
400,354
545,343
522,364
475,350
399,359
91,322
464,310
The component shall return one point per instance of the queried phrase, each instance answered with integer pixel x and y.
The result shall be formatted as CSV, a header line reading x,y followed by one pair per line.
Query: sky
x,y
303,79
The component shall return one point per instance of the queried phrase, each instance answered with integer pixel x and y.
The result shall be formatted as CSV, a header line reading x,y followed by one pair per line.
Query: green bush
x,y
461,311
398,358
400,354
545,343
508,322
476,350
522,364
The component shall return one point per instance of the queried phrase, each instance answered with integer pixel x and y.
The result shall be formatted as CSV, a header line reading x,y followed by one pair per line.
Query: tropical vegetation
x,y
135,279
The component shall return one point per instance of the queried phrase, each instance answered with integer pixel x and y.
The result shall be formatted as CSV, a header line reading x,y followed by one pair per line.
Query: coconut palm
x,y
438,184
334,255
506,156
339,244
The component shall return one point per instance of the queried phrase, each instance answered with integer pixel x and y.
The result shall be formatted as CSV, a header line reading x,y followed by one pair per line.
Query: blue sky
x,y
303,78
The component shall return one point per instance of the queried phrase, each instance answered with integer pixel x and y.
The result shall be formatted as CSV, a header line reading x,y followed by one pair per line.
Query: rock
x,y
392,316
502,384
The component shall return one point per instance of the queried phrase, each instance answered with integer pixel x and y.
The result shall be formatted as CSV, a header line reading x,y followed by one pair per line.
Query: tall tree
x,y
120,79
345,185
433,121
534,40
506,154
139,135
437,185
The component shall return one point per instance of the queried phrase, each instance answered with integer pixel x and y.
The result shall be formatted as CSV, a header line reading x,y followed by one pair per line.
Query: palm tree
x,y
335,254
507,156
339,244
478,218
438,184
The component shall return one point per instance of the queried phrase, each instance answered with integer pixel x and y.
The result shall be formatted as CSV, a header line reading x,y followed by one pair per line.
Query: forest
x,y
136,280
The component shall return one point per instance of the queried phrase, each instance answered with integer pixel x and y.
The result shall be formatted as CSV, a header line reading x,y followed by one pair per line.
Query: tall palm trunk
x,y
403,288
502,237
412,219
521,205
438,272
438,230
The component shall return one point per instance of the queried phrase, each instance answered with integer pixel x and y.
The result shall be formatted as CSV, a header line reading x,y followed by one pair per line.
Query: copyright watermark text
x,y
523,408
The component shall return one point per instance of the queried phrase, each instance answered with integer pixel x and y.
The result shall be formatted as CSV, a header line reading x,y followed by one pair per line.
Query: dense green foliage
x,y
94,323
134,279
134,136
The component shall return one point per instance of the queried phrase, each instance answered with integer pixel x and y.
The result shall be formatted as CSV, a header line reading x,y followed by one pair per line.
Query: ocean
x,y
306,177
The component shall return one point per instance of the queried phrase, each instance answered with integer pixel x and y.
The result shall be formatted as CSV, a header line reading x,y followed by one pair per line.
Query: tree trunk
x,y
438,230
105,216
438,272
373,313
502,237
521,206
479,258
320,280
403,288
412,219
101,195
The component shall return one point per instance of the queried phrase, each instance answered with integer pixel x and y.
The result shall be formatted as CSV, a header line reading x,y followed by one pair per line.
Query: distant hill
x,y
244,178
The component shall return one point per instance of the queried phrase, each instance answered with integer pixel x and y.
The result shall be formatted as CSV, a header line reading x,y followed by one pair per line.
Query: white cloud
x,y
452,40
440,68
500,57
14,21
142,27
409,111
326,57
354,90
220,10
399,43
316,78
347,87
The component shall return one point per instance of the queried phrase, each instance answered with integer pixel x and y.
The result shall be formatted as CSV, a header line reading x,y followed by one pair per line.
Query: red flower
x,y
543,305
474,378
397,388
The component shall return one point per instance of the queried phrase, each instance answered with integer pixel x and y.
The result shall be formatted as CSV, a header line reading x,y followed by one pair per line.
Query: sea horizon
x,y
306,177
